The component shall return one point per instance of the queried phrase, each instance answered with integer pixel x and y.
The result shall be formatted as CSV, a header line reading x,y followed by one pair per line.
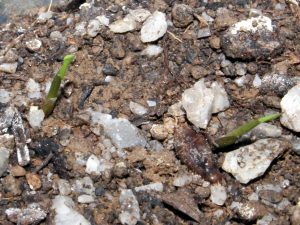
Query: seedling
x,y
50,100
233,136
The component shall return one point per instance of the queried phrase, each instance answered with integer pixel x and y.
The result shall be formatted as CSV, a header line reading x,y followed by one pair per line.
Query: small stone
x,y
154,27
34,45
152,50
139,15
290,106
56,35
159,132
44,16
8,67
264,130
81,28
93,27
64,187
204,32
4,156
109,70
250,162
218,194
155,146
159,187
33,89
124,25
182,15
130,210
34,181
270,196
33,214
117,50
199,72
65,213
137,109
295,217
93,165
11,56
256,81
249,211
5,96
17,171
120,170
12,185
35,117
202,192
224,19
103,20
182,180
221,101
176,109
85,199
215,42
240,69
84,186
279,84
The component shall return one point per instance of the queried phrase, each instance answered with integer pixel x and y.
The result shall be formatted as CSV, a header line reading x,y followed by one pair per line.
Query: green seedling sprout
x,y
51,98
233,136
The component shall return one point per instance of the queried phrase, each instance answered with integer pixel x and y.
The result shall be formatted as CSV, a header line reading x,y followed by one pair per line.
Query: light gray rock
x,y
137,109
85,199
93,27
140,15
33,89
4,156
290,106
154,27
158,186
84,186
152,50
34,45
65,213
35,117
130,210
251,161
218,194
44,16
8,67
5,96
122,133
124,25
96,165
64,187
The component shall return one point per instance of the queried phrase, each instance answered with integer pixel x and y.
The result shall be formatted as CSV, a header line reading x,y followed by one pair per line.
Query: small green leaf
x,y
233,136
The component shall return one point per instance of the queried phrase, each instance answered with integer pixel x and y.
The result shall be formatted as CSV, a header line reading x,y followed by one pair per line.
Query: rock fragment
x,y
130,210
290,106
249,211
65,213
35,117
34,45
93,27
137,109
140,15
33,89
123,25
250,162
218,194
182,15
34,181
64,187
154,27
158,186
5,96
152,50
4,156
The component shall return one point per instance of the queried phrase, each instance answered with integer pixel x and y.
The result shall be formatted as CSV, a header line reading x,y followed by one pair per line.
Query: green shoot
x,y
233,136
51,98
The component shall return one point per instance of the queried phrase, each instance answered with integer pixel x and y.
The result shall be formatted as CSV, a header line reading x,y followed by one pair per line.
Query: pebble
x,y
256,81
154,27
200,102
270,196
182,180
17,171
130,210
109,70
137,109
64,187
32,214
296,145
155,145
44,16
124,25
122,133
182,15
176,109
218,194
34,45
85,199
35,117
250,39
34,181
158,186
251,161
12,185
224,19
204,32
140,15
249,211
65,213
152,51
4,157
266,220
11,56
84,185
276,83
241,69
8,67
81,28
5,96
159,132
295,217
215,42
103,20
33,89
93,165
290,106
56,35
263,130
93,28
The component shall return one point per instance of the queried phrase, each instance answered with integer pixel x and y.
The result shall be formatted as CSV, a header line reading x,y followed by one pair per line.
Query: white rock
x,y
65,213
140,15
198,104
64,187
252,25
221,101
5,96
250,162
85,199
152,50
176,109
93,28
130,210
154,27
290,106
122,133
34,44
35,117
4,156
218,194
256,81
182,180
8,67
103,20
266,220
158,186
33,89
123,25
44,16
84,186
137,109
80,28
56,35
151,103
93,165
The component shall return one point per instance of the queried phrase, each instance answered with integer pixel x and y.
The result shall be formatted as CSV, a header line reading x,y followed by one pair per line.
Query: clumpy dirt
x,y
110,72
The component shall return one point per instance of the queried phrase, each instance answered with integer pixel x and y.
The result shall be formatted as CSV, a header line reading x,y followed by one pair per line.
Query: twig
x,y
174,36
44,163
49,8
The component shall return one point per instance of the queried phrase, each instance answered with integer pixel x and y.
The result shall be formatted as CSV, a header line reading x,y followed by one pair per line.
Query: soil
x,y
185,59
